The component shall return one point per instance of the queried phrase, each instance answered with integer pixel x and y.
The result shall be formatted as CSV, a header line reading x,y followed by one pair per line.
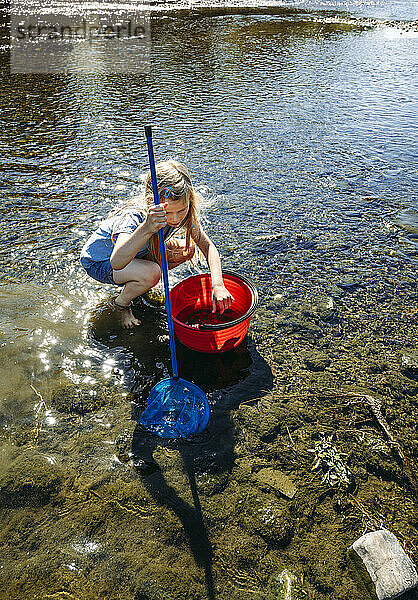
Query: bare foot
x,y
126,316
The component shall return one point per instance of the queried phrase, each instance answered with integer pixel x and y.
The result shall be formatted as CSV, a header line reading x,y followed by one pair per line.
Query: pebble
x,y
285,586
276,480
409,361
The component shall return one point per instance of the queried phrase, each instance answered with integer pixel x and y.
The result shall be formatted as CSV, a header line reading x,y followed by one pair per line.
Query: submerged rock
x,y
285,586
276,480
407,219
376,366
28,479
316,360
321,307
348,284
409,362
294,323
262,515
211,483
265,426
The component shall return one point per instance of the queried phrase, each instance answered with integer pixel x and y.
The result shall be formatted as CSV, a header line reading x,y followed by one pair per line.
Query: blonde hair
x,y
174,184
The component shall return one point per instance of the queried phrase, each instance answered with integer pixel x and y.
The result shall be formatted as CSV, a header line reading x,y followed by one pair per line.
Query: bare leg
x,y
139,276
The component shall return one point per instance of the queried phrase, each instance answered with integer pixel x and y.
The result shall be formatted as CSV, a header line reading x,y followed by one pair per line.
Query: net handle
x,y
164,268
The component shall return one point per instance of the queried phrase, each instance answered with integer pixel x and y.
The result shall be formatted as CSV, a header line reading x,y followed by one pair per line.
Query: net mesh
x,y
176,408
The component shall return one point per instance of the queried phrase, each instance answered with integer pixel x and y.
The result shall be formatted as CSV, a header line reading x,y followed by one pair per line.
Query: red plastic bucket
x,y
195,294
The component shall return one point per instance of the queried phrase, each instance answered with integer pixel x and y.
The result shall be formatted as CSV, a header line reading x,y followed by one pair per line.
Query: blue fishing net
x,y
175,409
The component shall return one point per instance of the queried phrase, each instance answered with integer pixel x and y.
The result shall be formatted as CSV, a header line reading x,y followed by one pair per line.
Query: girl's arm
x,y
128,244
208,248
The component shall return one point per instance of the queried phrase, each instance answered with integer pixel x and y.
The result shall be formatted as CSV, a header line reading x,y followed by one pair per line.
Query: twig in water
x,y
290,437
38,415
375,407
364,512
39,396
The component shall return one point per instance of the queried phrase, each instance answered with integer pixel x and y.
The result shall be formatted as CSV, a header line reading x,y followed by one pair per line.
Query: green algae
x,y
81,398
360,574
266,516
119,541
211,483
315,360
27,478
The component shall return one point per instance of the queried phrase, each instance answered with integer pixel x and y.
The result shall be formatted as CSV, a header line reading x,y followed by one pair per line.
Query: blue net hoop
x,y
176,408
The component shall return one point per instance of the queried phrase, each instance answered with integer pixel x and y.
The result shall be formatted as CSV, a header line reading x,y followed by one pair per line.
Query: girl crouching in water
x,y
124,250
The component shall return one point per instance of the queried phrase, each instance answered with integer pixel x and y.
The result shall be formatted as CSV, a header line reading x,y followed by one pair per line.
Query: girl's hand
x,y
156,218
221,296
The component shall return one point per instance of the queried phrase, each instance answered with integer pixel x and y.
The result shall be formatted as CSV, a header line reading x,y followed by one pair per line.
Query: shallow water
x,y
298,126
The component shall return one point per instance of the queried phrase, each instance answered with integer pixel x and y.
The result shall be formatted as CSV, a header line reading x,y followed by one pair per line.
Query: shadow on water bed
x,y
240,375
253,471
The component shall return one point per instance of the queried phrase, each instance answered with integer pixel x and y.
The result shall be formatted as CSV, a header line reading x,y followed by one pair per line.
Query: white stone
x,y
391,570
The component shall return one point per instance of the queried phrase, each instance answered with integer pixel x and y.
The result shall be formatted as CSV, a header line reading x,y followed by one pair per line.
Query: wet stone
x,y
285,586
388,567
27,479
276,480
409,362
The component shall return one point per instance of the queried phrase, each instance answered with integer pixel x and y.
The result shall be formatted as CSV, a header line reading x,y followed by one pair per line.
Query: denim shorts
x,y
100,270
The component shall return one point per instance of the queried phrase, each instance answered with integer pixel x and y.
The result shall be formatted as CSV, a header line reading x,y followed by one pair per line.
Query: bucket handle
x,y
209,327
